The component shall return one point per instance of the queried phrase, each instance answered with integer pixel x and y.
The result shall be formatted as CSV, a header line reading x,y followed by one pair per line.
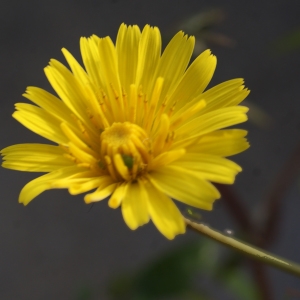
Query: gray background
x,y
56,244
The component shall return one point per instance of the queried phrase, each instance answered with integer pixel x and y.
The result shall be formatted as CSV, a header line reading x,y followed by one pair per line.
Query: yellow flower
x,y
136,125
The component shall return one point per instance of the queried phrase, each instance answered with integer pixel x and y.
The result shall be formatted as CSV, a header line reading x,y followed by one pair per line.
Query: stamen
x,y
162,134
115,93
82,155
71,157
94,108
85,165
112,150
120,105
140,147
71,135
139,106
166,158
159,114
117,197
133,103
186,114
65,148
103,149
104,120
172,109
153,103
107,110
125,103
134,169
93,119
164,104
169,141
146,107
125,149
101,120
105,99
83,129
110,168
121,167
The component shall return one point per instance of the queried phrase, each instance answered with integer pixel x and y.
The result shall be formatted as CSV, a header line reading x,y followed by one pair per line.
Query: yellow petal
x,y
34,158
174,62
164,213
149,53
76,68
70,90
134,206
212,121
109,67
28,149
127,49
91,90
81,155
222,142
101,193
117,197
40,122
210,167
195,80
162,134
166,158
185,186
85,186
35,187
228,93
77,138
50,104
76,178
91,59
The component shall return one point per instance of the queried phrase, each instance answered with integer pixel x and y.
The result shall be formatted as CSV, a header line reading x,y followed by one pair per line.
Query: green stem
x,y
245,249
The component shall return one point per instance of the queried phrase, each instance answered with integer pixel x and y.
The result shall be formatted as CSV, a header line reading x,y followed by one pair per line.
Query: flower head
x,y
134,125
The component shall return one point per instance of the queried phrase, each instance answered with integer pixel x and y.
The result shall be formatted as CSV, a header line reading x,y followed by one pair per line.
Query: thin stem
x,y
245,249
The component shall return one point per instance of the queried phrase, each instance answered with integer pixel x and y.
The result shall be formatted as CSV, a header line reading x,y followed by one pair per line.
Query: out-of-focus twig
x,y
203,20
258,116
238,211
264,237
201,25
262,280
283,181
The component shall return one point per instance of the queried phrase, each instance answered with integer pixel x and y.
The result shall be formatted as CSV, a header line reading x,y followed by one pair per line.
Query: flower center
x,y
125,150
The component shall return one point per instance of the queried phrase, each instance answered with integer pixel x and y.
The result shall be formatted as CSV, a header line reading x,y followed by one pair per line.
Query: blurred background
x,y
59,248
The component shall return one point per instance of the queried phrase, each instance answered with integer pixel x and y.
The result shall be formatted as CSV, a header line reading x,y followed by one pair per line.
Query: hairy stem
x,y
254,253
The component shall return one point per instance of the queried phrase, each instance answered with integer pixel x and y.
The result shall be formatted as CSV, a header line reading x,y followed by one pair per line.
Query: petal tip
x,y
87,199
